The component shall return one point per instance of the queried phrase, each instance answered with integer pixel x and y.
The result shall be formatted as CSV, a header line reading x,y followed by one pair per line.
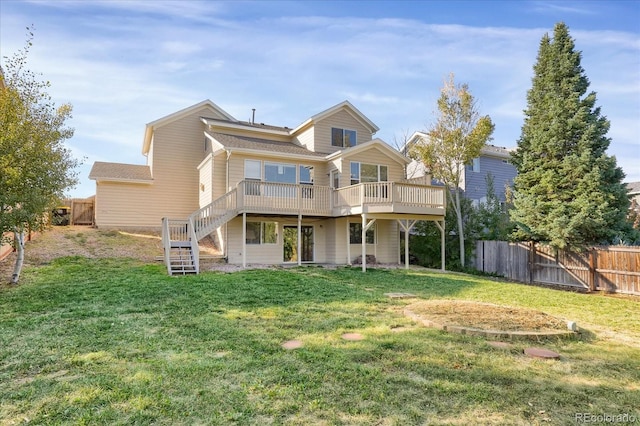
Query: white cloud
x,y
123,64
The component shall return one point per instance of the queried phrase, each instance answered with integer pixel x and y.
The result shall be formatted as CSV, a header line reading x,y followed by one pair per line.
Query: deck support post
x,y
299,239
442,243
244,240
364,242
406,225
348,243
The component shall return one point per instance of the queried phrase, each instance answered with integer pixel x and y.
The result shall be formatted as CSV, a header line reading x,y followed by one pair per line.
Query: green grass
x,y
109,341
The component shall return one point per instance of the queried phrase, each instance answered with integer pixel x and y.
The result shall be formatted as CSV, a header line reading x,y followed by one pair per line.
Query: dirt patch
x,y
486,316
61,241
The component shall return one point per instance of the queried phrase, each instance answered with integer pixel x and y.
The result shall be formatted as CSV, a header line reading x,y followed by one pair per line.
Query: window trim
x,y
342,145
359,178
372,229
261,237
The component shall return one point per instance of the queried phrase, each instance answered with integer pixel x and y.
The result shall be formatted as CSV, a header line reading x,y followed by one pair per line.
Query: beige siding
x,y
336,231
220,175
205,189
271,253
306,138
176,151
122,205
343,120
376,156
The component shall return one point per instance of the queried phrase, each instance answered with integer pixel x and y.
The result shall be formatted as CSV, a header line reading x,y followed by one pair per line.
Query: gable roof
x,y
342,106
119,172
148,133
245,143
245,125
372,144
487,149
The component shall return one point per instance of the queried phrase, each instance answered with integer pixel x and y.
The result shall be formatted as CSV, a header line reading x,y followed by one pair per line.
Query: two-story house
x,y
493,160
325,191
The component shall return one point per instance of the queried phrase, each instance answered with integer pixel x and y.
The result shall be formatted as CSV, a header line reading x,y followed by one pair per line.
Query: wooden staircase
x,y
180,237
181,259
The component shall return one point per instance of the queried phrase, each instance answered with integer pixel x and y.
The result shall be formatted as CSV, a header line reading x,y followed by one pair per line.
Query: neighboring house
x,y
493,160
323,192
634,192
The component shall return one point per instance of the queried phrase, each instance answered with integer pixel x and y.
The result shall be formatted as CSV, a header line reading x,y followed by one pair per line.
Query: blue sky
x,y
122,64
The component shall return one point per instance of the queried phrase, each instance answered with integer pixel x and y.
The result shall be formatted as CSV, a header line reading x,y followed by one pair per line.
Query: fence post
x,y
532,258
592,268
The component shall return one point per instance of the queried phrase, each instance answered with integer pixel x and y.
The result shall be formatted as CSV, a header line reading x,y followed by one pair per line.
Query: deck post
x,y
364,242
244,240
406,245
299,239
442,244
348,243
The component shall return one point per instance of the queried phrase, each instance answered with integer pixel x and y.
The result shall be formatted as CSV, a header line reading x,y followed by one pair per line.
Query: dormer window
x,y
343,138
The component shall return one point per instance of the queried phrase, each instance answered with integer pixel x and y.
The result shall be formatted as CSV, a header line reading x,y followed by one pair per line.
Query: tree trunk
x,y
460,228
19,242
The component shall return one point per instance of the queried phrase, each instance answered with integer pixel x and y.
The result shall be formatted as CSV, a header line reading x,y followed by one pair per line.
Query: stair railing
x,y
206,219
195,248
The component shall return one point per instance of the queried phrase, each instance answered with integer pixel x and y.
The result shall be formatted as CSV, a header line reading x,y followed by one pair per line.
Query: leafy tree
x,y
453,141
35,166
568,192
493,218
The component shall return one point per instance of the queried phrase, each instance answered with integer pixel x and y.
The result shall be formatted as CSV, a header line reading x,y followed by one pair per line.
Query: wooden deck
x,y
314,200
383,200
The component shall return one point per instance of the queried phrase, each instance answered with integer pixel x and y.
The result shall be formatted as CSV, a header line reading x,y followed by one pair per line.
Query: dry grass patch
x,y
486,316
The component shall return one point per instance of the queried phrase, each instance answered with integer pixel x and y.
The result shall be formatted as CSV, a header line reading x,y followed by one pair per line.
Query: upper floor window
x,y
279,172
361,172
306,174
343,138
253,169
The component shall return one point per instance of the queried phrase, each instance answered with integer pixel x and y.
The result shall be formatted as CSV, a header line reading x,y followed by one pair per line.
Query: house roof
x,y
487,150
150,128
346,106
119,172
245,125
633,188
245,143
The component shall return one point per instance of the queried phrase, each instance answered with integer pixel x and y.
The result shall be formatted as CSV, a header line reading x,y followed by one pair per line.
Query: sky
x,y
122,64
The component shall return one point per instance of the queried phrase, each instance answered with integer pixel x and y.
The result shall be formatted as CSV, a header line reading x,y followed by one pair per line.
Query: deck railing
x,y
208,218
271,197
389,193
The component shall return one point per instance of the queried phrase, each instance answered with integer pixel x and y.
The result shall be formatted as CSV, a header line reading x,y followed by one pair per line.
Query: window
x,y
253,176
335,179
368,173
306,178
355,234
262,232
475,166
355,173
252,169
279,172
343,138
306,174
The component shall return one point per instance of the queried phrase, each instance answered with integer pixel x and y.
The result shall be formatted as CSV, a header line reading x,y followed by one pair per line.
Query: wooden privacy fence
x,y
613,269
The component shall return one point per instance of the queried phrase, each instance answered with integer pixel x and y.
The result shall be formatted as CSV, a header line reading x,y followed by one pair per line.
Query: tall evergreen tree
x,y
568,192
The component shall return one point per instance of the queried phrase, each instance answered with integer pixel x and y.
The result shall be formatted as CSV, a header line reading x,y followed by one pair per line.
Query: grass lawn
x,y
113,341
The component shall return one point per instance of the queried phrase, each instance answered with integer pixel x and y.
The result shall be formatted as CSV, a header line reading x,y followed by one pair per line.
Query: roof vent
x,y
253,115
